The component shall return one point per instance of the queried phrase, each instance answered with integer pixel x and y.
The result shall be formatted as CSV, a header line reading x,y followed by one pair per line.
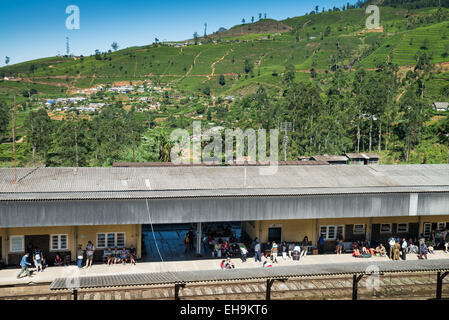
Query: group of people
x,y
25,264
189,241
398,248
272,249
120,256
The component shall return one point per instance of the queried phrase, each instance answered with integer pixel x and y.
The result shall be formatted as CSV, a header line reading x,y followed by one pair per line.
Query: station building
x,y
57,209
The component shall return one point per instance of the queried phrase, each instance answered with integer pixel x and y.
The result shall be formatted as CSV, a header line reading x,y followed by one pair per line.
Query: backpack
x,y
186,240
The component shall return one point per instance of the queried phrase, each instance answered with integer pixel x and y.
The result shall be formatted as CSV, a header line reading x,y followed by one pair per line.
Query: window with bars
x,y
111,240
59,242
330,232
385,228
17,243
427,228
359,229
402,227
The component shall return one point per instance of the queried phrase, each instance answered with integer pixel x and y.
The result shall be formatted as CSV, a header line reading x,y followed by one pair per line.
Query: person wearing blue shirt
x,y
24,264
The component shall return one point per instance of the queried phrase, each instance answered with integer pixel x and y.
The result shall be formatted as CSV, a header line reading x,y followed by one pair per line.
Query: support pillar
x,y
137,241
198,239
177,287
370,229
440,278
269,284
420,227
6,246
75,242
75,294
355,281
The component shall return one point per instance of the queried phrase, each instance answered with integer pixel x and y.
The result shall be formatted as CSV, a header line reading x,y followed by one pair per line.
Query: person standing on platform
x,y
391,242
284,250
396,250
257,253
25,266
274,252
404,249
79,256
90,249
191,236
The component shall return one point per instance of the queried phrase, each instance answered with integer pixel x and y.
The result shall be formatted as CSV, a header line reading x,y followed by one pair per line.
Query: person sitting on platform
x,y
266,264
116,255
109,256
381,250
291,248
217,250
229,264
412,247
124,256
356,253
58,260
132,255
296,255
225,249
235,249
430,249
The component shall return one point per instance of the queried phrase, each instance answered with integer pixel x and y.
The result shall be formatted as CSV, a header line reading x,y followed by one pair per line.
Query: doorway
x,y
41,242
275,234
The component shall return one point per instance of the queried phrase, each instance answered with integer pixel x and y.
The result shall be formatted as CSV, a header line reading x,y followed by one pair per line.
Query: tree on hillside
x,y
289,74
252,19
7,60
114,46
264,15
195,37
248,66
4,118
222,80
260,16
243,21
38,128
316,9
97,54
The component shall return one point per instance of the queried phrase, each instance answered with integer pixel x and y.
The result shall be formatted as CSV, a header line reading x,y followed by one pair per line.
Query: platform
x,y
8,276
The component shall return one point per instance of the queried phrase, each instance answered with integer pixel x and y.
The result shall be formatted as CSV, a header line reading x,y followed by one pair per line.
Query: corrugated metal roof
x,y
330,158
159,182
299,270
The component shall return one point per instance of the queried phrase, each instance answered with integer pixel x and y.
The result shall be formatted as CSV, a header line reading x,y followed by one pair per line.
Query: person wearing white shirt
x,y
404,249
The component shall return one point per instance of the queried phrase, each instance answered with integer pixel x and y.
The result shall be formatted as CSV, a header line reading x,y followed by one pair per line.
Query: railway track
x,y
390,286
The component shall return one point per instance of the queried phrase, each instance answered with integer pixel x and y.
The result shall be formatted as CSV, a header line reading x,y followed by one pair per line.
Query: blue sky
x,y
37,29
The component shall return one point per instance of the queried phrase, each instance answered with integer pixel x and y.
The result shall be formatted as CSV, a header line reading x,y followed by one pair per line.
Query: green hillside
x,y
311,41
225,77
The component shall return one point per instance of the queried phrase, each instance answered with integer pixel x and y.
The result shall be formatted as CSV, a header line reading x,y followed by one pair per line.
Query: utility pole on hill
x,y
14,140
287,126
67,47
205,28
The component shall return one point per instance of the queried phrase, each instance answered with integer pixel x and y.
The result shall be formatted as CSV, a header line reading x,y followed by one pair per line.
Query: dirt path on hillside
x,y
193,64
94,75
214,63
135,68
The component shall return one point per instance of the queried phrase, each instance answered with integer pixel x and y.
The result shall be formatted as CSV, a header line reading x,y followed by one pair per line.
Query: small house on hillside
x,y
362,158
331,159
441,106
